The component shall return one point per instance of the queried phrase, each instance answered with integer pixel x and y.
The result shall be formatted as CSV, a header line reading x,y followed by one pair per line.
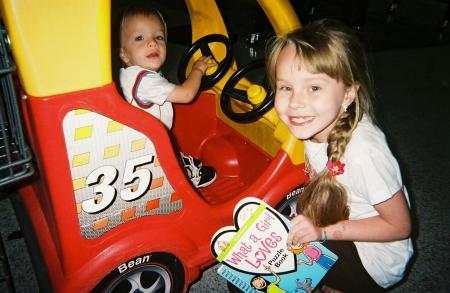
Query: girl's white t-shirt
x,y
372,175
151,88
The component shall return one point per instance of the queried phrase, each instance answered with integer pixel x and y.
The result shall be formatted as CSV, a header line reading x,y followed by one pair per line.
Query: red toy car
x,y
110,206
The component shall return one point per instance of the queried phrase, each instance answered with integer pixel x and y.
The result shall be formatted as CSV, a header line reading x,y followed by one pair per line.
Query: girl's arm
x,y
186,92
392,223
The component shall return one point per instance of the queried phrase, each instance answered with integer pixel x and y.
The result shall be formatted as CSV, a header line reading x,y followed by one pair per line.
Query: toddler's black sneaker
x,y
199,175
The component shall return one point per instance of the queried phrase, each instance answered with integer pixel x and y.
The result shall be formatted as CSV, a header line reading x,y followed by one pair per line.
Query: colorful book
x,y
254,255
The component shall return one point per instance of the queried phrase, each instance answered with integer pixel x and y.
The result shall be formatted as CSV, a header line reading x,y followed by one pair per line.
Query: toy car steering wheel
x,y
259,106
202,44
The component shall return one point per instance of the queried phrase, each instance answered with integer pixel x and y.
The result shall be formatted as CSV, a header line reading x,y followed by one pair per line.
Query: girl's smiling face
x,y
143,42
308,103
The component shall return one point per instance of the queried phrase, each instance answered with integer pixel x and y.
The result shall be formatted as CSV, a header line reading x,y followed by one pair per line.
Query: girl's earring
x,y
345,108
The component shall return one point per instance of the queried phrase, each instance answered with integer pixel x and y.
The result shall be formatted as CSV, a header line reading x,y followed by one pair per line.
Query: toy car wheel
x,y
288,205
161,273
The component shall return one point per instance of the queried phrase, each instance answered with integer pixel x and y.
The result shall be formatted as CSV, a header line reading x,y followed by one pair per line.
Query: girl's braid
x,y
341,133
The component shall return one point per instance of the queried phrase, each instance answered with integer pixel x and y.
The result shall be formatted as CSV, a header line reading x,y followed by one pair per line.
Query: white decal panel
x,y
116,174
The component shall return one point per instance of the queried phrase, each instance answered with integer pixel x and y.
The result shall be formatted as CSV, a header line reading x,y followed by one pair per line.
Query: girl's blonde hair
x,y
329,47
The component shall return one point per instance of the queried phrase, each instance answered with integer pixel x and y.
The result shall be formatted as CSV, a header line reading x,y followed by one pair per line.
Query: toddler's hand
x,y
303,230
203,63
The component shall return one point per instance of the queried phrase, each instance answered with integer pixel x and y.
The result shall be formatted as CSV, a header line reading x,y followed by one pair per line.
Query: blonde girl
x,y
355,199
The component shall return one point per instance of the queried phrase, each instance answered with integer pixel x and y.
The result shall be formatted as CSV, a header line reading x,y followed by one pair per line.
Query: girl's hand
x,y
203,63
303,230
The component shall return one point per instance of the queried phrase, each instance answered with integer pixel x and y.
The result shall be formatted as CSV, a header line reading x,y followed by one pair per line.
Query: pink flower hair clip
x,y
336,168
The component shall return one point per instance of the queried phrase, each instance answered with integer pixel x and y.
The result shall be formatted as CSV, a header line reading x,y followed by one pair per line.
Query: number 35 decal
x,y
104,177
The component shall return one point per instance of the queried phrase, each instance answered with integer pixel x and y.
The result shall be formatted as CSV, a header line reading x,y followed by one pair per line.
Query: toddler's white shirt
x,y
149,88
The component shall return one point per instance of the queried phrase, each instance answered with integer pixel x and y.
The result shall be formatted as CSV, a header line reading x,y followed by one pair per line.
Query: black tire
x,y
288,205
153,272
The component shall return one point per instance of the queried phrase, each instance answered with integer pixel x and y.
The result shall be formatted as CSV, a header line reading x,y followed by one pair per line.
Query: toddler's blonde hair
x,y
140,9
